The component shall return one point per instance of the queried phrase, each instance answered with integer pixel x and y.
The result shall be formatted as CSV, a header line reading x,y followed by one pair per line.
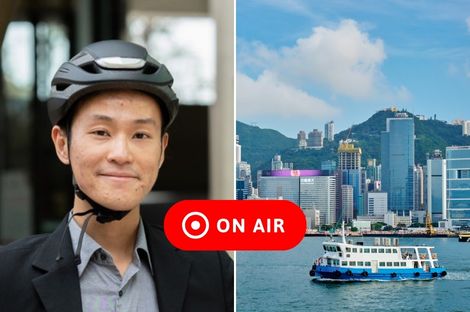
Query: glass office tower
x,y
397,155
458,185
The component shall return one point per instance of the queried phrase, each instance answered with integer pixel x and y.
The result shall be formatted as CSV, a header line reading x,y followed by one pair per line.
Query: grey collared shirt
x,y
103,288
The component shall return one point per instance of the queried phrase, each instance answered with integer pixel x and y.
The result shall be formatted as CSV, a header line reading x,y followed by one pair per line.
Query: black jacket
x,y
32,280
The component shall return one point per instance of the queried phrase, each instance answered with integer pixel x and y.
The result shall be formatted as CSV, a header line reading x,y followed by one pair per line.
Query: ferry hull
x,y
339,273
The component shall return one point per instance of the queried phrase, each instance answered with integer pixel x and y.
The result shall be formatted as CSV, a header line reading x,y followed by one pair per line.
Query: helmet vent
x,y
62,86
91,68
149,69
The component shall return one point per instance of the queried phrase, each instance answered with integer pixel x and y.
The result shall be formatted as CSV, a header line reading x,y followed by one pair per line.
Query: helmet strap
x,y
103,214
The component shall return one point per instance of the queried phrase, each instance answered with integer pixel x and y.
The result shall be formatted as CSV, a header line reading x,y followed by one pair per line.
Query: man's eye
x,y
141,135
100,133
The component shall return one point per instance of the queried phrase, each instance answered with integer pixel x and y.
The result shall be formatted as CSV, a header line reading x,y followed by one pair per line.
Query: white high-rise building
x,y
330,131
276,162
376,203
466,127
436,186
319,193
458,186
238,151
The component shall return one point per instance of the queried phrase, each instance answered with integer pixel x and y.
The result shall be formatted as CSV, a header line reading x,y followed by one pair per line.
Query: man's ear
x,y
59,138
165,139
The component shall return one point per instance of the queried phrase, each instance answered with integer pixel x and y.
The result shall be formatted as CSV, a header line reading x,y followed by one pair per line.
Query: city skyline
x,y
311,62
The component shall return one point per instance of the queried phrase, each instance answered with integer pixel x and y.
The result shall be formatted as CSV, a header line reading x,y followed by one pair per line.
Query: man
x,y
110,107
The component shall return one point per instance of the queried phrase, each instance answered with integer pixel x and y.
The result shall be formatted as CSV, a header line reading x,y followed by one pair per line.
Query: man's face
x,y
116,147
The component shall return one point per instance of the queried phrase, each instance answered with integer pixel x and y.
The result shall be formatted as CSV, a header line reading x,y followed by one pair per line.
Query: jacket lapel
x,y
59,286
171,270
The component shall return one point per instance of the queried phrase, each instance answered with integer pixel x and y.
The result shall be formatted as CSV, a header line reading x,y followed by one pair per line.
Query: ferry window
x,y
366,250
368,263
324,247
354,249
396,264
374,250
337,248
348,249
336,262
389,264
381,250
403,264
388,250
348,255
382,264
352,263
360,250
344,263
395,251
360,263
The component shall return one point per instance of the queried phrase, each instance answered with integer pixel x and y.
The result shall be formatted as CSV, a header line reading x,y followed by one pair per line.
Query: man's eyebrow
x,y
140,121
145,121
102,117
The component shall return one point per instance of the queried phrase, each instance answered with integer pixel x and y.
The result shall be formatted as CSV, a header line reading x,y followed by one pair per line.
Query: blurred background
x,y
194,39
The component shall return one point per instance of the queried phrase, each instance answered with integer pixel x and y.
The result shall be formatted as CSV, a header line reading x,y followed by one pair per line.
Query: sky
x,y
302,63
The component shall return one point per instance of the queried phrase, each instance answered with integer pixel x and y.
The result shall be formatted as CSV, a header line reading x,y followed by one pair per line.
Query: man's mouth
x,y
117,175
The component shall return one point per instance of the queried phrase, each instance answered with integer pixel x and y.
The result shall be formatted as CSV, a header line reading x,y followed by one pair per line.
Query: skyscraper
x,y
349,157
436,186
397,155
353,177
466,127
319,192
330,131
349,165
347,205
238,151
458,185
419,191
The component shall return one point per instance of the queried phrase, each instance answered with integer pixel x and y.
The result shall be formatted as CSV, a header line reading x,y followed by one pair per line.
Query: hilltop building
x,y
330,131
315,139
302,139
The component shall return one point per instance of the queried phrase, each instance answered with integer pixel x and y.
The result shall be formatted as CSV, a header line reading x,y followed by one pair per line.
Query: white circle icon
x,y
195,225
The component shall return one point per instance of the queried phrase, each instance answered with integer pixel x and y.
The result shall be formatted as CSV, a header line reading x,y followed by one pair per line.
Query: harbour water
x,y
279,281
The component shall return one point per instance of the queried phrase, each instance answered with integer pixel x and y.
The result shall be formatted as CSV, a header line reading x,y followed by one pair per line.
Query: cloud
x,y
402,94
343,59
269,96
292,6
467,21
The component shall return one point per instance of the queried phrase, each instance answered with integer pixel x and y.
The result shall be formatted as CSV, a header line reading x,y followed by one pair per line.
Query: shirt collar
x,y
90,246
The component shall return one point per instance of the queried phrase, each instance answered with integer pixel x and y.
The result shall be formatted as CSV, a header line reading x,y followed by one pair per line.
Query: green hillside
x,y
259,145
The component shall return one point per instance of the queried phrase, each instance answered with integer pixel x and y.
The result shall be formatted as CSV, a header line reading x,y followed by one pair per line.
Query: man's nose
x,y
120,151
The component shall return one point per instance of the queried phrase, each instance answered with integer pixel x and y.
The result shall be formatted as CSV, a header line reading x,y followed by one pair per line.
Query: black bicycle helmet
x,y
108,65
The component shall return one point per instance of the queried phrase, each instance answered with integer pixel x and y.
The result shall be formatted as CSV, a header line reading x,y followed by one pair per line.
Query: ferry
x,y
385,260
